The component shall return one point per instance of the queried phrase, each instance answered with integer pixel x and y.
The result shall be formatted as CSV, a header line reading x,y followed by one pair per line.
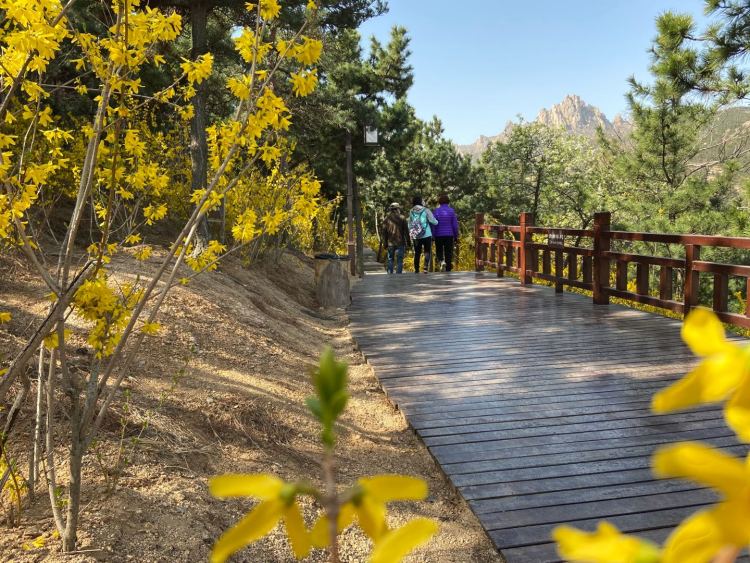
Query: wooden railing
x,y
587,263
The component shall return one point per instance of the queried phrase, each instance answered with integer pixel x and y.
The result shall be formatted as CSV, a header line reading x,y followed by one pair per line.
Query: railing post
x,y
478,232
692,281
602,244
500,253
526,220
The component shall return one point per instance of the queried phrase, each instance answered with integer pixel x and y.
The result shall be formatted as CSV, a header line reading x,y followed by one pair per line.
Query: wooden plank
x,y
628,523
566,421
569,431
448,454
581,457
601,509
593,493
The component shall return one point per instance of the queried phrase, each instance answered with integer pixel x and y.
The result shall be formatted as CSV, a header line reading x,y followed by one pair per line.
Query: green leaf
x,y
314,405
338,403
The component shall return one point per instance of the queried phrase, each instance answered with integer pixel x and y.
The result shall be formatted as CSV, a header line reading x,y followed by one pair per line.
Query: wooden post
x,y
526,220
587,269
572,266
559,266
602,244
642,278
478,232
692,281
500,253
721,292
546,263
665,284
621,278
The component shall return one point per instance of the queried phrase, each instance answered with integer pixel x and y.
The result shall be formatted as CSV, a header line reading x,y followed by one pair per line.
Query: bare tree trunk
x,y
198,139
37,443
70,537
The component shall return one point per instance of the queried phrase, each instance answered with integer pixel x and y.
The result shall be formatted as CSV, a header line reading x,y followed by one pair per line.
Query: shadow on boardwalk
x,y
535,404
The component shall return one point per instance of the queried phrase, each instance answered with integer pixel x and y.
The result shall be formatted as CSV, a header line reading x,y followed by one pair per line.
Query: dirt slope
x,y
220,390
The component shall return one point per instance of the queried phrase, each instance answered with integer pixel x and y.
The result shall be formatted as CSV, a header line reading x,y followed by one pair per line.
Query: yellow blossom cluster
x,y
268,204
206,260
304,82
368,508
31,38
108,309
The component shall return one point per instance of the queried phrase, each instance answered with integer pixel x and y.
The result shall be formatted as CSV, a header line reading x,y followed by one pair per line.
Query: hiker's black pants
x,y
426,244
444,252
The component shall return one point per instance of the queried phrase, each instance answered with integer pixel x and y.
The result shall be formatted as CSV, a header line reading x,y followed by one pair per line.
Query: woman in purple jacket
x,y
445,233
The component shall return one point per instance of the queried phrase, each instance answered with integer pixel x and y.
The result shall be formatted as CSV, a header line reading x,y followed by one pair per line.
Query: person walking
x,y
395,235
420,221
446,233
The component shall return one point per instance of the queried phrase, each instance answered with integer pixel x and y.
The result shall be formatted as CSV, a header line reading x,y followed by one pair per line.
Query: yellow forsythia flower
x,y
200,69
606,545
377,492
52,342
723,374
319,532
303,83
154,213
269,9
5,317
246,228
396,545
278,503
143,253
308,52
701,536
150,328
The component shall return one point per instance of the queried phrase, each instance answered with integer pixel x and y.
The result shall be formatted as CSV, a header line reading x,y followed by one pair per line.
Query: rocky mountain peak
x,y
575,115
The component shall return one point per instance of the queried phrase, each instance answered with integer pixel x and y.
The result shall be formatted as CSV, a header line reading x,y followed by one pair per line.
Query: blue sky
x,y
479,63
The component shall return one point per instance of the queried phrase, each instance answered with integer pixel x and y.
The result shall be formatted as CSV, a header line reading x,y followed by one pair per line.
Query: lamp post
x,y
355,250
350,204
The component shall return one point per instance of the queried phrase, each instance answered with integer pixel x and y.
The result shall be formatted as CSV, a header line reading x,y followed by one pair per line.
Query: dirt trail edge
x,y
219,390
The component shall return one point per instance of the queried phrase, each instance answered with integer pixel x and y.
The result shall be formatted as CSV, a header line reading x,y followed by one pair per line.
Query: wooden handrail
x,y
517,249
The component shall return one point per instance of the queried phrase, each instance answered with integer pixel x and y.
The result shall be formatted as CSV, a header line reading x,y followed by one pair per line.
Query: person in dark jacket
x,y
395,237
446,233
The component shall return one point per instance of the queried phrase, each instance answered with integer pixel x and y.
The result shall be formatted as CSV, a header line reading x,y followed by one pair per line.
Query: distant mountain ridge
x,y
572,114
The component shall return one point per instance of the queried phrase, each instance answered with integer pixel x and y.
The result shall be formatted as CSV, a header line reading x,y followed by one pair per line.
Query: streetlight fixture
x,y
371,136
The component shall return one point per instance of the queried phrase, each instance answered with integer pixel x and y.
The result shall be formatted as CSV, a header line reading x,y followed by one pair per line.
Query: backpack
x,y
418,224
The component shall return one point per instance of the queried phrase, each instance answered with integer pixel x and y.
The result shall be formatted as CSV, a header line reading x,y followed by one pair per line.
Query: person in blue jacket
x,y
420,221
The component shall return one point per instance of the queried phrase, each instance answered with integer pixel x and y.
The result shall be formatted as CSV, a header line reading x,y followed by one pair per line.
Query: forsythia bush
x,y
721,532
120,173
365,502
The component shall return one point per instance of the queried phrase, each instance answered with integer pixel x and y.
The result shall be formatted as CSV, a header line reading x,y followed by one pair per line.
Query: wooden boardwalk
x,y
536,405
